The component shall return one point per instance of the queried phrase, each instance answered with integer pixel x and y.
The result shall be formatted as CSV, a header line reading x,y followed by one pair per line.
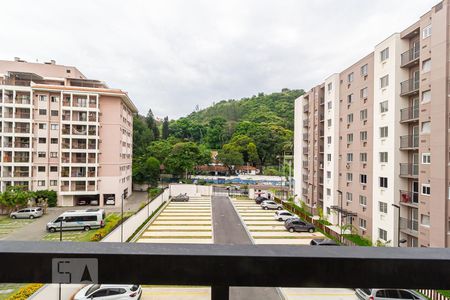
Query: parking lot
x,y
182,222
8,225
264,229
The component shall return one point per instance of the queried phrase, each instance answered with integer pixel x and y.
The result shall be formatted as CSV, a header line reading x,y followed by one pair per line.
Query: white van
x,y
78,220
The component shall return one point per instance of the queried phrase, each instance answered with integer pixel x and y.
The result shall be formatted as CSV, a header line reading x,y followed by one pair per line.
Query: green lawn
x,y
7,289
8,225
85,236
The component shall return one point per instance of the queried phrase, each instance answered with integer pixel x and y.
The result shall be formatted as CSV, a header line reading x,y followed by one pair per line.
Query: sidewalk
x,y
51,291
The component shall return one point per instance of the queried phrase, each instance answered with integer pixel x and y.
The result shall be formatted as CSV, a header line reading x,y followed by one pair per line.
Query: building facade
x,y
64,132
384,118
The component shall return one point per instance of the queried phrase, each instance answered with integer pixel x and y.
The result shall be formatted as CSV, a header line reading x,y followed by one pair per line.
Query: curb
x,y
149,222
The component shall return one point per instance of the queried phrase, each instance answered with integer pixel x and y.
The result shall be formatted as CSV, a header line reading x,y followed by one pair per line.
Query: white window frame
x,y
363,200
382,234
426,31
384,106
384,54
384,81
426,158
384,132
382,207
426,186
361,177
362,223
384,157
383,182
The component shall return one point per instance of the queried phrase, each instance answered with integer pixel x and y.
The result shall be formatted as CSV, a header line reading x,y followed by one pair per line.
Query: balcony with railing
x,y
91,186
7,157
305,123
411,57
409,142
65,187
409,226
321,117
23,99
305,178
78,159
305,150
409,114
305,136
306,108
78,186
22,158
305,164
321,149
22,172
409,170
79,130
78,145
305,192
92,130
8,129
409,87
79,102
92,117
22,128
407,197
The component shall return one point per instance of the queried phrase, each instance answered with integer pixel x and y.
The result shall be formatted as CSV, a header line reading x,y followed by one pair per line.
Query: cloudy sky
x,y
173,55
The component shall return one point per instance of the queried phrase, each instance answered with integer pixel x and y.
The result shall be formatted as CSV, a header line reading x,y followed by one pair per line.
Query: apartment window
x,y
349,197
383,157
43,98
383,182
54,126
54,154
426,127
330,104
382,207
54,113
328,174
426,66
362,223
426,189
384,132
382,234
42,154
426,32
350,77
349,177
363,178
54,99
425,220
363,114
328,139
349,157
384,54
363,157
384,106
53,182
350,99
42,126
53,169
54,141
350,138
328,192
42,112
41,168
426,158
329,122
363,93
426,96
362,200
350,118
328,157
330,86
384,81
41,182
363,135
42,140
365,70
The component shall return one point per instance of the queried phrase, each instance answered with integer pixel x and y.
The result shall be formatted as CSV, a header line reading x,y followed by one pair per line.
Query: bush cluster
x,y
25,292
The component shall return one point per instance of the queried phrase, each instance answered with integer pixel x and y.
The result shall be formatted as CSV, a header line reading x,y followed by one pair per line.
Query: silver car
x,y
269,204
109,292
27,213
385,294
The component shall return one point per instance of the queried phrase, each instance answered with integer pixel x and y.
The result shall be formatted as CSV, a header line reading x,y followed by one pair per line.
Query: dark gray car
x,y
299,225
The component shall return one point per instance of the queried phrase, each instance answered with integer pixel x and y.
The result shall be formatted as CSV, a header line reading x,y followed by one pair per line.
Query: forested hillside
x,y
253,131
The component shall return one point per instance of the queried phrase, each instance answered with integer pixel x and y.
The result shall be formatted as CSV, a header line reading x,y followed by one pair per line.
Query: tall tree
x,y
159,149
216,133
165,128
151,123
142,136
230,157
183,158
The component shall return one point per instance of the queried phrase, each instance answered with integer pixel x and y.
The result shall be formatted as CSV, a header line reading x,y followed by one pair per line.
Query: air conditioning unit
x,y
347,166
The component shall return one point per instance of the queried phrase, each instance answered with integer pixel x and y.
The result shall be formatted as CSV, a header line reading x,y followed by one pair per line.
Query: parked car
x,y
283,215
296,224
323,242
109,291
385,294
233,188
78,219
180,198
269,204
27,213
260,199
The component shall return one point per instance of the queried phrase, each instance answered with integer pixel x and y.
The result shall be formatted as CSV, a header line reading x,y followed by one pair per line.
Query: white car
x,y
386,294
283,215
269,204
27,213
109,292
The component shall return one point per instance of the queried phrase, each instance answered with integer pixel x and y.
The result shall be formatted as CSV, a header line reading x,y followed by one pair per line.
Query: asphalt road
x,y
229,230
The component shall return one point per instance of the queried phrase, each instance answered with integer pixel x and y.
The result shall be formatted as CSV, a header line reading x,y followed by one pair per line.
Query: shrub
x,y
358,240
153,192
50,196
111,222
25,292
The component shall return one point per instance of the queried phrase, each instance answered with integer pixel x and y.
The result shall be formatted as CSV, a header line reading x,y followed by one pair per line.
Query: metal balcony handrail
x,y
211,265
409,169
409,86
409,197
410,55
409,113
409,141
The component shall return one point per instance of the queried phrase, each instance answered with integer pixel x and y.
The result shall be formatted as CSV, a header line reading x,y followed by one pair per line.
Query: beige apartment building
x,y
64,132
364,139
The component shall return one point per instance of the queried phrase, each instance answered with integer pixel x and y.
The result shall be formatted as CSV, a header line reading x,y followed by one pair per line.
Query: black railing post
x,y
219,292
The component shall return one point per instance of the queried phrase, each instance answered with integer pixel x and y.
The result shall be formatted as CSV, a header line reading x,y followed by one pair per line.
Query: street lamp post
x,y
121,220
340,213
399,241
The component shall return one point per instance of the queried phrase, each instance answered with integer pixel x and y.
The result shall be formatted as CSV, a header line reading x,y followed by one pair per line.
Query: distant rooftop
x,y
48,69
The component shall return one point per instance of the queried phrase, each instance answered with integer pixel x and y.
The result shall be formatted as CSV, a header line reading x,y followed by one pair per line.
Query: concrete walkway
x,y
229,230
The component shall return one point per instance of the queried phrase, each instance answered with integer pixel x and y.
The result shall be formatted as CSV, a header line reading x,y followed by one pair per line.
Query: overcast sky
x,y
173,55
